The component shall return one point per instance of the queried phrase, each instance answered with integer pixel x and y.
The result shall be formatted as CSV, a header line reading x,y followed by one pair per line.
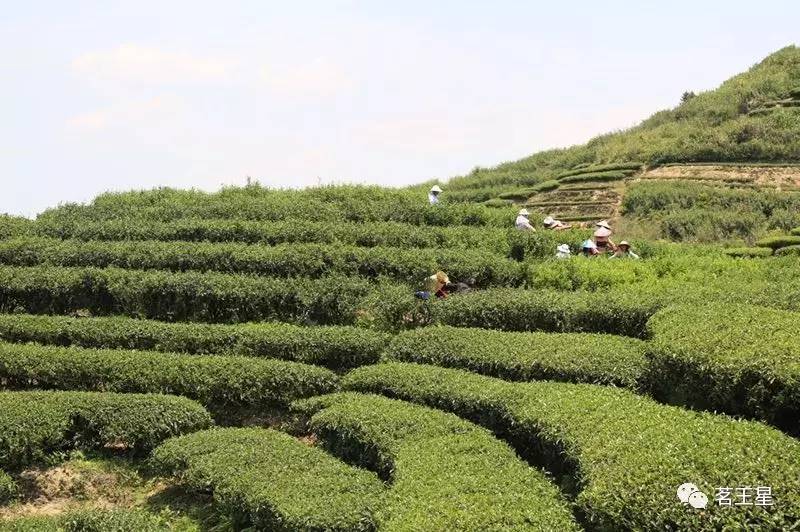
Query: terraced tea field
x,y
260,370
256,359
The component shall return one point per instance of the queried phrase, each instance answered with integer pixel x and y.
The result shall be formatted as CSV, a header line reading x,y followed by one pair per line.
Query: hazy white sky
x,y
104,95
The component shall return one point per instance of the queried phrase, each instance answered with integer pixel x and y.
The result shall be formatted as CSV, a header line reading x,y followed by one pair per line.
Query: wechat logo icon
x,y
690,495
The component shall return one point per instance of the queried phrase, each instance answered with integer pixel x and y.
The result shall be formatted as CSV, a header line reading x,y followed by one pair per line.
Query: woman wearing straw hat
x,y
435,285
433,195
602,240
522,223
624,251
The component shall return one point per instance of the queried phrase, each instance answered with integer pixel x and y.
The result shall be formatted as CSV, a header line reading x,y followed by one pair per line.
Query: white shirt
x,y
433,198
523,224
562,255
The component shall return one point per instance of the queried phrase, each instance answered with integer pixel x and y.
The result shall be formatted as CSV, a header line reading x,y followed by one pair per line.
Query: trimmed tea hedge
x,y
623,313
777,242
543,243
34,424
738,359
498,240
334,203
597,273
796,231
594,358
623,455
368,234
116,520
291,260
518,194
211,380
525,193
192,296
336,347
596,176
546,186
271,481
657,198
580,170
446,473
496,203
788,250
747,252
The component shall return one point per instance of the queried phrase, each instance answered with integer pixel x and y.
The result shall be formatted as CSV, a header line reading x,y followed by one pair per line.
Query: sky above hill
x,y
99,96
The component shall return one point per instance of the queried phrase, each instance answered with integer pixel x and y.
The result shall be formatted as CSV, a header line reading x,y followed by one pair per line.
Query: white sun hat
x,y
602,233
588,244
563,248
436,188
624,243
549,221
523,212
603,224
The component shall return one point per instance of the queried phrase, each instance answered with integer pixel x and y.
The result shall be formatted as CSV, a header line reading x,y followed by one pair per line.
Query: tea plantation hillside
x,y
257,359
739,138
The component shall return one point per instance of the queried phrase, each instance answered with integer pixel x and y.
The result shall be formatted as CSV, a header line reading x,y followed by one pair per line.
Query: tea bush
x,y
694,211
546,186
710,225
525,245
525,193
446,473
737,359
477,195
518,194
212,380
796,231
595,176
621,454
481,178
269,480
587,169
335,347
594,358
366,234
620,312
8,489
192,296
502,241
14,226
777,242
788,250
290,260
592,274
496,203
34,424
747,252
330,203
654,197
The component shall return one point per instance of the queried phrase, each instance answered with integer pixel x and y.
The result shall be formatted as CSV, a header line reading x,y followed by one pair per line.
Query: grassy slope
x,y
713,126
